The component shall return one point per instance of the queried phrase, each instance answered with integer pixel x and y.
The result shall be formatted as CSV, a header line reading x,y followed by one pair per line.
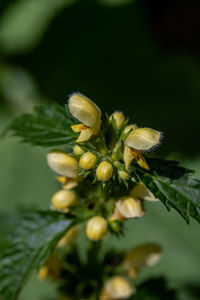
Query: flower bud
x,y
63,199
145,255
118,118
117,287
51,267
124,175
129,207
142,192
67,183
104,171
87,112
78,150
129,128
96,228
43,273
69,237
62,163
88,161
143,139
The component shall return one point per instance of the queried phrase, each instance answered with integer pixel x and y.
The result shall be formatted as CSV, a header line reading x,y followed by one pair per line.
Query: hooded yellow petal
x,y
143,139
85,110
62,163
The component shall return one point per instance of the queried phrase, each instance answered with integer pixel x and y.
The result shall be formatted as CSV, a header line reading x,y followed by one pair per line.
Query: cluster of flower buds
x,y
105,161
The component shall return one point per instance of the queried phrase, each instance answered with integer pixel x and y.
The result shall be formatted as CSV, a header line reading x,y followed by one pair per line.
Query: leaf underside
x,y
27,249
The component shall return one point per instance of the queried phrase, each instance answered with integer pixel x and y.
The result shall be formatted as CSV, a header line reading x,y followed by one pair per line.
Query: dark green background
x,y
141,57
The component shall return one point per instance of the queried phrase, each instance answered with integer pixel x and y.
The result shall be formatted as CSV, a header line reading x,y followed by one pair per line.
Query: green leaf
x,y
49,125
154,289
27,249
175,187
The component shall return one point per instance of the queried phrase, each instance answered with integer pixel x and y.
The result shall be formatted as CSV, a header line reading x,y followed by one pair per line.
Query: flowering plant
x,y
106,175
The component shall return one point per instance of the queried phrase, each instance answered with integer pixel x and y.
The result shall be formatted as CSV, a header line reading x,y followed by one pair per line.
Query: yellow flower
x,y
129,207
118,118
43,273
88,113
145,255
63,200
62,163
69,237
96,228
51,267
118,287
104,171
139,140
142,192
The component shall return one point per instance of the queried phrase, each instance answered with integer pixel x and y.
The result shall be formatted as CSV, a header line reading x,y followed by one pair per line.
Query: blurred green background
x,y
141,57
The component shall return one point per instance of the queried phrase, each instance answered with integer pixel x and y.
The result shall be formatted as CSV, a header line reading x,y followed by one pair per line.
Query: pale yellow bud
x,y
43,273
62,163
78,150
143,139
142,192
118,118
63,199
118,287
67,183
104,171
129,207
117,163
96,228
129,128
145,255
69,237
88,161
124,175
85,110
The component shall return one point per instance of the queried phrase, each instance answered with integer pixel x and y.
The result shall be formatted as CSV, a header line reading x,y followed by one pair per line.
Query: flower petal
x,y
143,139
142,192
85,135
85,110
129,207
128,157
